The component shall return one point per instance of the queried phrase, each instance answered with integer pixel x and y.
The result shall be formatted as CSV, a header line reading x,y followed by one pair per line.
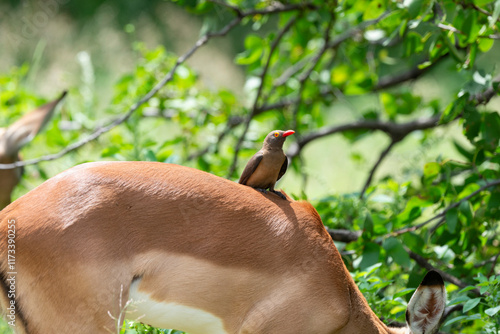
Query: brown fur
x,y
94,228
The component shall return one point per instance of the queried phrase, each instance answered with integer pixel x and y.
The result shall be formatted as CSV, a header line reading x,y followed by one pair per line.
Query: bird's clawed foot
x,y
264,191
279,193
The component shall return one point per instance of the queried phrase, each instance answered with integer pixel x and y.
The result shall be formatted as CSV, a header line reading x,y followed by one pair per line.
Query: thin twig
x,y
382,156
356,30
344,235
389,81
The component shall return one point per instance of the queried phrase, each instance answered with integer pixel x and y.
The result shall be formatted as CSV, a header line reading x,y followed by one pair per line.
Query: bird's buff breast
x,y
267,171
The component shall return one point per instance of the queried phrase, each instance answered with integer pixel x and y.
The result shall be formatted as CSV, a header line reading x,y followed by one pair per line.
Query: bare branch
x,y
412,74
255,108
356,30
382,156
394,130
344,235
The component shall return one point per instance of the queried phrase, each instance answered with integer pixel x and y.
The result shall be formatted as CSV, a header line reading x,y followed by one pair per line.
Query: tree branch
x,y
344,235
255,109
382,156
412,74
356,30
394,130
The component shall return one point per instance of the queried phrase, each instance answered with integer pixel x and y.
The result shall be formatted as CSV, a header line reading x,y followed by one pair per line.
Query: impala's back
x,y
179,248
181,240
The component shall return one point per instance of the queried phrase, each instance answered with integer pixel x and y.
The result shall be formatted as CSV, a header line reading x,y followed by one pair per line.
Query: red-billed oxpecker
x,y
267,165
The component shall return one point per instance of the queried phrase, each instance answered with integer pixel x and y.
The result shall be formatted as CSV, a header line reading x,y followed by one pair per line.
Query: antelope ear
x,y
24,130
427,304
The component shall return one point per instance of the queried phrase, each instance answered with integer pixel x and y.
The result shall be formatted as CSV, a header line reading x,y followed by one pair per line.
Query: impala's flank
x,y
195,252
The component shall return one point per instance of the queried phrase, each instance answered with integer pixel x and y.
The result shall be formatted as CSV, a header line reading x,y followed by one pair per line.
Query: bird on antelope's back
x,y
267,165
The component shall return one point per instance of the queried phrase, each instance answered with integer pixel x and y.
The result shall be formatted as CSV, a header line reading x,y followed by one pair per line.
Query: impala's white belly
x,y
171,315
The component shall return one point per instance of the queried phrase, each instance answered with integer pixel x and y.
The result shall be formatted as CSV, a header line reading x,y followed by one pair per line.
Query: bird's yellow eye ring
x,y
276,134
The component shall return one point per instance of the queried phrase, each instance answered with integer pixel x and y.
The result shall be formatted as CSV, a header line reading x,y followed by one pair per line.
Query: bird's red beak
x,y
288,133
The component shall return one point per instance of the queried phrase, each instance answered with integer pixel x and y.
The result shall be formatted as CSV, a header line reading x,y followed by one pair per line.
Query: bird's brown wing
x,y
250,167
283,168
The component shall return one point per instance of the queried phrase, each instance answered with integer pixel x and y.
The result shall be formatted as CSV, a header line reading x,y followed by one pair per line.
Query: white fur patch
x,y
171,315
426,308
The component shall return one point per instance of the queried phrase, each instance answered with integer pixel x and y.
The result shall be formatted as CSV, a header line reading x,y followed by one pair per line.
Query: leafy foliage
x,y
303,60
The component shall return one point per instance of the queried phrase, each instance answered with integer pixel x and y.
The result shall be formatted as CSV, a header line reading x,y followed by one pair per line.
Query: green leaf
x,y
469,189
472,56
491,131
465,208
492,311
470,26
463,318
454,109
403,292
395,249
470,304
374,9
456,319
431,171
254,46
485,44
150,156
371,254
494,203
452,220
472,124
412,210
414,7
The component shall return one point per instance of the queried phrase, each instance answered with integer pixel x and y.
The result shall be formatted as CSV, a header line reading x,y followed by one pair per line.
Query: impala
x,y
13,138
193,251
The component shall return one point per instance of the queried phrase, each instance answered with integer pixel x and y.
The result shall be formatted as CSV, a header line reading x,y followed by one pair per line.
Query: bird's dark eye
x,y
276,134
